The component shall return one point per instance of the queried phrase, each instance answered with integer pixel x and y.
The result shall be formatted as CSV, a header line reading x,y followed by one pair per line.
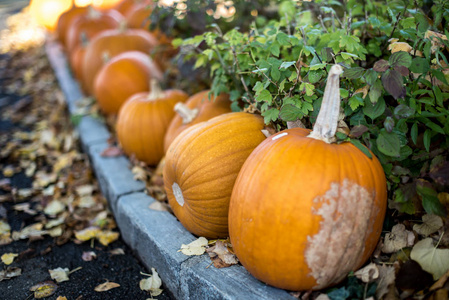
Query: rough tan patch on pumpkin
x,y
177,192
333,252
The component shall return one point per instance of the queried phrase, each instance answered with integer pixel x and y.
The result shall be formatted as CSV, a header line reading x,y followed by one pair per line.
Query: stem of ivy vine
x,y
241,77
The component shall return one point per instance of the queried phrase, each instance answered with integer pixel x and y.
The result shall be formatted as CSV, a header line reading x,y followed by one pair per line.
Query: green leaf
x,y
270,115
393,83
275,49
389,124
290,112
349,42
354,73
414,133
400,58
283,39
374,110
315,76
317,66
419,65
347,55
403,111
381,65
370,76
439,75
344,93
258,87
355,101
427,138
287,64
388,143
375,91
275,74
361,147
430,201
434,127
264,96
438,95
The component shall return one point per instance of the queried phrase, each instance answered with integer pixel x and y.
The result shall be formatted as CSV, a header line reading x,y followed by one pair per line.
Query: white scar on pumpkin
x,y
335,250
177,192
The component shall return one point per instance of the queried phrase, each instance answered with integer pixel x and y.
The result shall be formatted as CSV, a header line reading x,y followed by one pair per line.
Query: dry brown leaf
x,y
59,274
117,251
400,46
386,278
139,173
430,224
88,255
44,289
9,273
8,258
221,256
440,282
197,247
433,260
112,151
152,284
108,285
368,273
397,239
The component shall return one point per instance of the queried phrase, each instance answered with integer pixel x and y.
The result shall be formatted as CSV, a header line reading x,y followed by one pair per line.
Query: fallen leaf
x,y
106,237
152,284
433,260
88,255
54,207
61,298
59,274
430,224
8,258
440,283
397,239
112,152
386,278
85,190
412,277
368,273
400,46
197,247
8,171
106,286
117,251
9,273
44,289
159,206
87,233
221,256
139,173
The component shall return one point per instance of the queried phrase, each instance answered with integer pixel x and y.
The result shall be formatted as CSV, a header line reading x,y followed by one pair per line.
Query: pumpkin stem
x,y
123,26
155,90
185,112
326,124
93,13
105,57
84,39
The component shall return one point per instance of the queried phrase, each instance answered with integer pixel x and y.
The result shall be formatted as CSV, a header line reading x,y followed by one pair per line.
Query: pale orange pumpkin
x,y
127,5
65,21
198,108
304,210
201,166
76,58
47,12
124,75
143,120
109,43
90,24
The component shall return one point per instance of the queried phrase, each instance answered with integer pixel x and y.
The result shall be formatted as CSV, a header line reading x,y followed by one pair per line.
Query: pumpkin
x,y
105,4
306,211
138,16
90,24
143,120
201,166
47,12
124,75
127,5
76,57
65,21
110,43
198,108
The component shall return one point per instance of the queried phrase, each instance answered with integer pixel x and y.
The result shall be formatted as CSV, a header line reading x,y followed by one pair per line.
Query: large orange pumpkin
x,y
76,57
65,21
198,108
47,12
305,211
127,5
143,120
90,24
124,75
110,43
201,166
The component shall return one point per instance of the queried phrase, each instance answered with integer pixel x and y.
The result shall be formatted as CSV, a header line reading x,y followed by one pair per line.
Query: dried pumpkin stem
x,y
326,124
185,112
155,90
123,26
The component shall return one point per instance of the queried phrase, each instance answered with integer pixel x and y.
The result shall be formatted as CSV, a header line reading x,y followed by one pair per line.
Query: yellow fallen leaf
x,y
106,237
61,298
197,247
87,233
59,274
44,289
8,258
400,46
152,284
8,171
106,286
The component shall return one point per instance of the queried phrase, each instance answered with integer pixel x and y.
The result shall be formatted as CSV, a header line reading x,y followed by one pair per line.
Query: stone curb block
x,y
156,236
114,175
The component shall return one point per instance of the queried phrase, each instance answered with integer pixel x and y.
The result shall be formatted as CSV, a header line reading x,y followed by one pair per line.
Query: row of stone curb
x,y
155,236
